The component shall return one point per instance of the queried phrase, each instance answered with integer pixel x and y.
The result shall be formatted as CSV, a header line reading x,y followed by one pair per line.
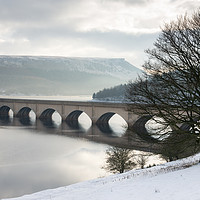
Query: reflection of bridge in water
x,y
99,112
95,133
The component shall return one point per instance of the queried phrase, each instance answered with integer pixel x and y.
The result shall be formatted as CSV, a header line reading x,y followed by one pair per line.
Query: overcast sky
x,y
86,28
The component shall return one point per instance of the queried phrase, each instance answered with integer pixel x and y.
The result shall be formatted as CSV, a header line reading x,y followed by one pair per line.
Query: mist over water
x,y
32,160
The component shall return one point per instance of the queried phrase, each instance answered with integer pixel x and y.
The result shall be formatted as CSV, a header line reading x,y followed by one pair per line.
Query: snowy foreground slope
x,y
177,180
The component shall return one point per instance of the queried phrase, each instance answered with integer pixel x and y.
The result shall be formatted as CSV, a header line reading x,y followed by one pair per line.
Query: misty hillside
x,y
36,75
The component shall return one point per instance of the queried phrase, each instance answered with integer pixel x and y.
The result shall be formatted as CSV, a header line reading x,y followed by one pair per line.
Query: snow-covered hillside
x,y
37,75
116,67
177,180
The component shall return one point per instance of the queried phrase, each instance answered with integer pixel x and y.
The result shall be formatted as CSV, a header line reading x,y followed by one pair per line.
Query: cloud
x,y
129,2
85,27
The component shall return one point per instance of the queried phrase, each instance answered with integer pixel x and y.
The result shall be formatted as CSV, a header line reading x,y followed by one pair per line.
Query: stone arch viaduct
x,y
99,112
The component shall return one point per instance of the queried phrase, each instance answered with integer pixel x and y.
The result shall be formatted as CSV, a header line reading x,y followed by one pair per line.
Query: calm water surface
x,y
36,156
32,160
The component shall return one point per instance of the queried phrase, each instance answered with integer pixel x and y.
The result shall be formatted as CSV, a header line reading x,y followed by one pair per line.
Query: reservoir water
x,y
35,156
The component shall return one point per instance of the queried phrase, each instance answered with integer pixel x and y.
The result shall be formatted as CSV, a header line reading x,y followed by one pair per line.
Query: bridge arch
x,y
74,115
139,127
24,112
104,119
48,118
112,123
73,120
26,116
47,114
151,128
4,111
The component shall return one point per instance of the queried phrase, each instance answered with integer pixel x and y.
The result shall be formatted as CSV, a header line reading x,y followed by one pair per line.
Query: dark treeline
x,y
113,93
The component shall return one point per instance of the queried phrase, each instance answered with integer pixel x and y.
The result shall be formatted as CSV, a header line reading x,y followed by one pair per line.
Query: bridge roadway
x,y
99,112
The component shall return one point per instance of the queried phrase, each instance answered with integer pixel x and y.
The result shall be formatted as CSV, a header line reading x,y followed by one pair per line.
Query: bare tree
x,y
119,159
142,159
170,86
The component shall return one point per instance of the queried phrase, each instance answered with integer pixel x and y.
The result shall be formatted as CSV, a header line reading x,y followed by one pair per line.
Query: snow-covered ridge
x,y
117,67
174,180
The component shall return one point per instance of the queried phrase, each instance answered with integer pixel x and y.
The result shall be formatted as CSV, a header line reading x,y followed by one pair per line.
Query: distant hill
x,y
37,75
